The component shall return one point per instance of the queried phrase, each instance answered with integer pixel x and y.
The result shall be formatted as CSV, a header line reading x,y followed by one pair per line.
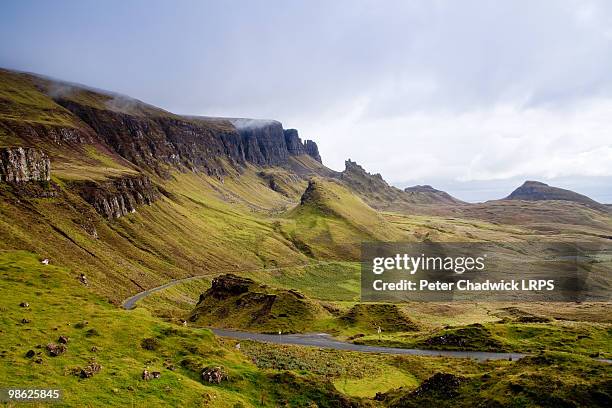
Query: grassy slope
x,y
207,227
332,222
61,306
21,100
58,306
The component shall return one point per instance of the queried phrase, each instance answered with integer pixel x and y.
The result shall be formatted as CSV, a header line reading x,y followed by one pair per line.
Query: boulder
x,y
90,370
56,349
214,375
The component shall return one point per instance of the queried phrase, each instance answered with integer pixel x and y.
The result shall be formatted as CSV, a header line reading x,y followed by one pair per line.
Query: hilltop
x,y
538,191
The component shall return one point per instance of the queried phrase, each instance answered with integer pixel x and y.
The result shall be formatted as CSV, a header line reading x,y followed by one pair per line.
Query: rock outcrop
x,y
294,143
263,141
241,303
312,150
22,164
120,196
297,148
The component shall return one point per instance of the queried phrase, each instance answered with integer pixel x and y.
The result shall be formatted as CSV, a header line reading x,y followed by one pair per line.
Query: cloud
x,y
427,90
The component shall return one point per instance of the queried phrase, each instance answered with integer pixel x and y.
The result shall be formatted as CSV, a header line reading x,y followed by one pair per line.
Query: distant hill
x,y
537,191
434,194
374,190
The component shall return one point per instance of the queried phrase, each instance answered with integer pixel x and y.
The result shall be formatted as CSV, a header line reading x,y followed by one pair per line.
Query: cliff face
x,y
120,196
312,150
196,144
263,142
297,148
30,132
294,143
21,164
156,142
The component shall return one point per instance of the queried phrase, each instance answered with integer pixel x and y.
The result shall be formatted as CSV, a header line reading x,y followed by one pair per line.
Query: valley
x,y
205,227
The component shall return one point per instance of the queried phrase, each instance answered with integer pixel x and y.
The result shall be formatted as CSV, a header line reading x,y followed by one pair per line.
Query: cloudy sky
x,y
471,96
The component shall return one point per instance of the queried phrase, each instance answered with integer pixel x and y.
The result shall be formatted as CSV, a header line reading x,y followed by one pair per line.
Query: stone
x,y
30,354
56,349
24,304
90,370
63,339
83,279
214,375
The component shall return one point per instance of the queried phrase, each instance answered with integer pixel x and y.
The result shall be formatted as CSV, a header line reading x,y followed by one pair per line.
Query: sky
x,y
471,96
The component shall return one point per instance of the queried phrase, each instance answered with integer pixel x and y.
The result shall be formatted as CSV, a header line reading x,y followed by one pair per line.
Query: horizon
x,y
474,191
454,95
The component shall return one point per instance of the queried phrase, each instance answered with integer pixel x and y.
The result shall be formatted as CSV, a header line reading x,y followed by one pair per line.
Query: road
x,y
130,302
323,340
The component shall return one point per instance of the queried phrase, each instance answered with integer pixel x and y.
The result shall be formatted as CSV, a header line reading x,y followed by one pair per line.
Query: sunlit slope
x,y
331,221
199,226
41,303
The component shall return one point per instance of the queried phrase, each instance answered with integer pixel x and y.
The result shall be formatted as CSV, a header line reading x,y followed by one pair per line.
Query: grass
x,y
204,226
126,342
257,307
355,374
21,101
369,387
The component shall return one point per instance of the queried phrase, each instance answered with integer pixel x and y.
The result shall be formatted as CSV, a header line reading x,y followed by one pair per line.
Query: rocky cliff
x,y
156,141
379,194
312,150
120,196
297,148
263,141
21,164
294,143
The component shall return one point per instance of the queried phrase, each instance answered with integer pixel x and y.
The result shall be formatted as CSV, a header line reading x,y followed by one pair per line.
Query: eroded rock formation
x,y
312,150
22,164
120,196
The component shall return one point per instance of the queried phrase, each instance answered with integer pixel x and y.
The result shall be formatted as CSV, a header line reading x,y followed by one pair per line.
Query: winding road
x,y
324,340
130,302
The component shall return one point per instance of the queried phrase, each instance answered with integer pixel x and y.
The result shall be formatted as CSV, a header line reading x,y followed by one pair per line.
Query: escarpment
x,y
22,164
263,141
297,148
312,150
119,196
155,142
56,134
